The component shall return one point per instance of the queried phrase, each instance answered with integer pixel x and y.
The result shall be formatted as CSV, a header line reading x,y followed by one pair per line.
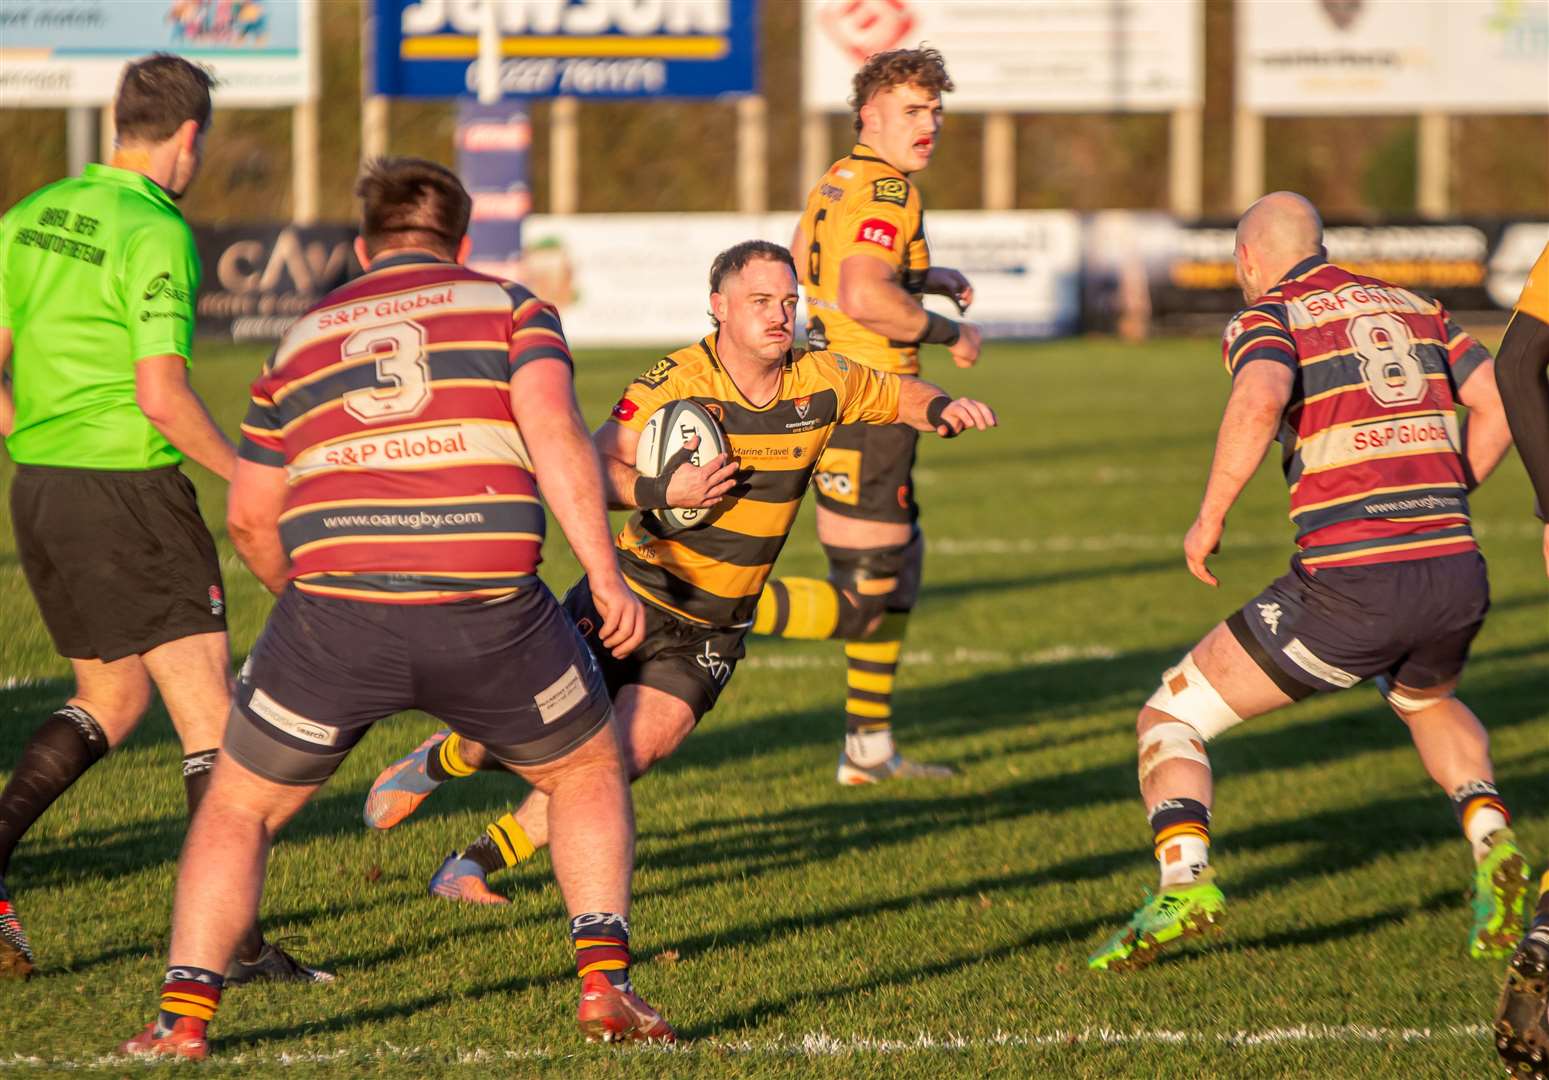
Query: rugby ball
x,y
666,432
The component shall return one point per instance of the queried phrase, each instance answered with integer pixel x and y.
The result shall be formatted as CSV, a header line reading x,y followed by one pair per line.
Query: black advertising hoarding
x,y
1180,276
258,279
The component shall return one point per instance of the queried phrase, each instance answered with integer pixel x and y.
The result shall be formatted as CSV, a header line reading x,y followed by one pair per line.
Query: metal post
x,y
1185,172
304,163
564,156
1000,161
814,149
1247,157
81,136
489,54
1433,163
752,155
108,133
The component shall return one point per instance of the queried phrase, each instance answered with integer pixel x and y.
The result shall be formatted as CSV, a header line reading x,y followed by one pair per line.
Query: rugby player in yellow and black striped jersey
x,y
1522,1015
865,264
701,586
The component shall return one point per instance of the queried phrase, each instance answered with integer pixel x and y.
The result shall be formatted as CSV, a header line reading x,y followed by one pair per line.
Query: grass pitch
x,y
791,927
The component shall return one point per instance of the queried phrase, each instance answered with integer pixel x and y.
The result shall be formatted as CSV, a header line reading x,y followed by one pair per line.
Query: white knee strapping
x,y
1409,701
1172,741
1185,694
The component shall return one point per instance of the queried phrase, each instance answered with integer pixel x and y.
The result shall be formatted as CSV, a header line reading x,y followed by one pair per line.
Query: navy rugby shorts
x,y
511,674
1329,629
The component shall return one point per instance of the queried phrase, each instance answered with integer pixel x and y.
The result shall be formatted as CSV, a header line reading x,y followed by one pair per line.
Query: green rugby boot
x,y
1500,888
1177,913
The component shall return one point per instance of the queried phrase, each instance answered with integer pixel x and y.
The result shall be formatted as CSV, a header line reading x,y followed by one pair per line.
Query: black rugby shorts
x,y
867,472
693,663
119,562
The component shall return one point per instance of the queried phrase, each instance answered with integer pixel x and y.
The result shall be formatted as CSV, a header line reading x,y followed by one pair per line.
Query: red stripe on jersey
x,y
365,555
447,404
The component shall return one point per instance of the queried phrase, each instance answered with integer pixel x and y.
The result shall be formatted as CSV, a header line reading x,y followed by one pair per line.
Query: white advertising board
x,y
1017,55
70,52
1308,57
643,279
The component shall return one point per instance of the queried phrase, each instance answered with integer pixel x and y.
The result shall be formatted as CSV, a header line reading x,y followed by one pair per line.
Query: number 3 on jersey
x,y
399,348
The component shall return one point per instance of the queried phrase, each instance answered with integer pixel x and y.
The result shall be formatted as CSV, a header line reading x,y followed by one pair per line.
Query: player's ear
x,y
187,136
719,307
362,256
868,116
464,249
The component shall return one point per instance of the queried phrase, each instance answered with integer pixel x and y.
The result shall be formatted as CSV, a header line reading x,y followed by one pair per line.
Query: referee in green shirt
x,y
97,282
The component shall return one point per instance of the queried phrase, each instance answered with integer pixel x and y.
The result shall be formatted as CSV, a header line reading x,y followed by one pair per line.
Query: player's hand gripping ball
x,y
666,433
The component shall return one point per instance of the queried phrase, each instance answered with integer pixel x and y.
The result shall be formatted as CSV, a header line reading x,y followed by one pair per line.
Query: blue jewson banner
x,y
492,144
582,48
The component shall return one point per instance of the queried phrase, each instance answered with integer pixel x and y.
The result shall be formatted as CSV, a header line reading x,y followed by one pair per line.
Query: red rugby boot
x,y
185,1040
608,1014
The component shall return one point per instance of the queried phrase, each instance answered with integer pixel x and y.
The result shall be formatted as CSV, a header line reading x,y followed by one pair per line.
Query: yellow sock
x,y
871,668
451,758
510,839
804,608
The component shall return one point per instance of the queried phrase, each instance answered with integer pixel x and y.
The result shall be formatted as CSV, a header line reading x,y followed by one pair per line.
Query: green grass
x,y
773,906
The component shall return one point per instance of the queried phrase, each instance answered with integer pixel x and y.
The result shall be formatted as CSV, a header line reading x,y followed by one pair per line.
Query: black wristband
x,y
651,491
939,330
933,410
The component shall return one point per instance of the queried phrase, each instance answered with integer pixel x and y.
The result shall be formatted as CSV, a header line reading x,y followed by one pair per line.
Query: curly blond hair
x,y
923,67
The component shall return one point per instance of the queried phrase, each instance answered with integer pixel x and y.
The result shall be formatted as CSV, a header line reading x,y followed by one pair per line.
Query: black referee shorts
x,y
119,562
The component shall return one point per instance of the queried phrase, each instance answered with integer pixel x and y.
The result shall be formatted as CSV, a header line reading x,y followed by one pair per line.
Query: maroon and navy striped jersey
x,y
389,406
1372,449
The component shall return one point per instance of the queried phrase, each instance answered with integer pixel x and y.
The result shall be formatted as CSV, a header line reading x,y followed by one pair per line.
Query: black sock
x,y
196,781
65,745
484,852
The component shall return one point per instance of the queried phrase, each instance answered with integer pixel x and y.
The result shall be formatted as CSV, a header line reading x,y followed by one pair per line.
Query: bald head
x,y
1273,235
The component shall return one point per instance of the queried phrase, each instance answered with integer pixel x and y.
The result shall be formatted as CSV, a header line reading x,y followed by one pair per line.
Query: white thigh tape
x,y
1185,694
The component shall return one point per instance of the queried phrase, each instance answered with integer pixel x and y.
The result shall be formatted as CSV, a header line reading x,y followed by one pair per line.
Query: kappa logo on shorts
x,y
711,661
585,626
1271,614
217,600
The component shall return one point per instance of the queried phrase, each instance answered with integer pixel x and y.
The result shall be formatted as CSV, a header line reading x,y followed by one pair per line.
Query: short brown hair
x,y
736,258
923,67
158,95
412,202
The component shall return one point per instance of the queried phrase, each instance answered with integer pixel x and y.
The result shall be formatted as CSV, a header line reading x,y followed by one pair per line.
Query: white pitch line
x,y
1057,654
1104,542
820,1044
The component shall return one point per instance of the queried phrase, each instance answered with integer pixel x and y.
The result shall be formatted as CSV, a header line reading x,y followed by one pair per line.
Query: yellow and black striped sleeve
x,y
649,391
866,395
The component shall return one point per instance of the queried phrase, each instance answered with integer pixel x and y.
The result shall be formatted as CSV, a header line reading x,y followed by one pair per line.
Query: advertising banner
x,y
633,279
1149,266
70,52
582,48
259,279
1016,55
1303,57
492,146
